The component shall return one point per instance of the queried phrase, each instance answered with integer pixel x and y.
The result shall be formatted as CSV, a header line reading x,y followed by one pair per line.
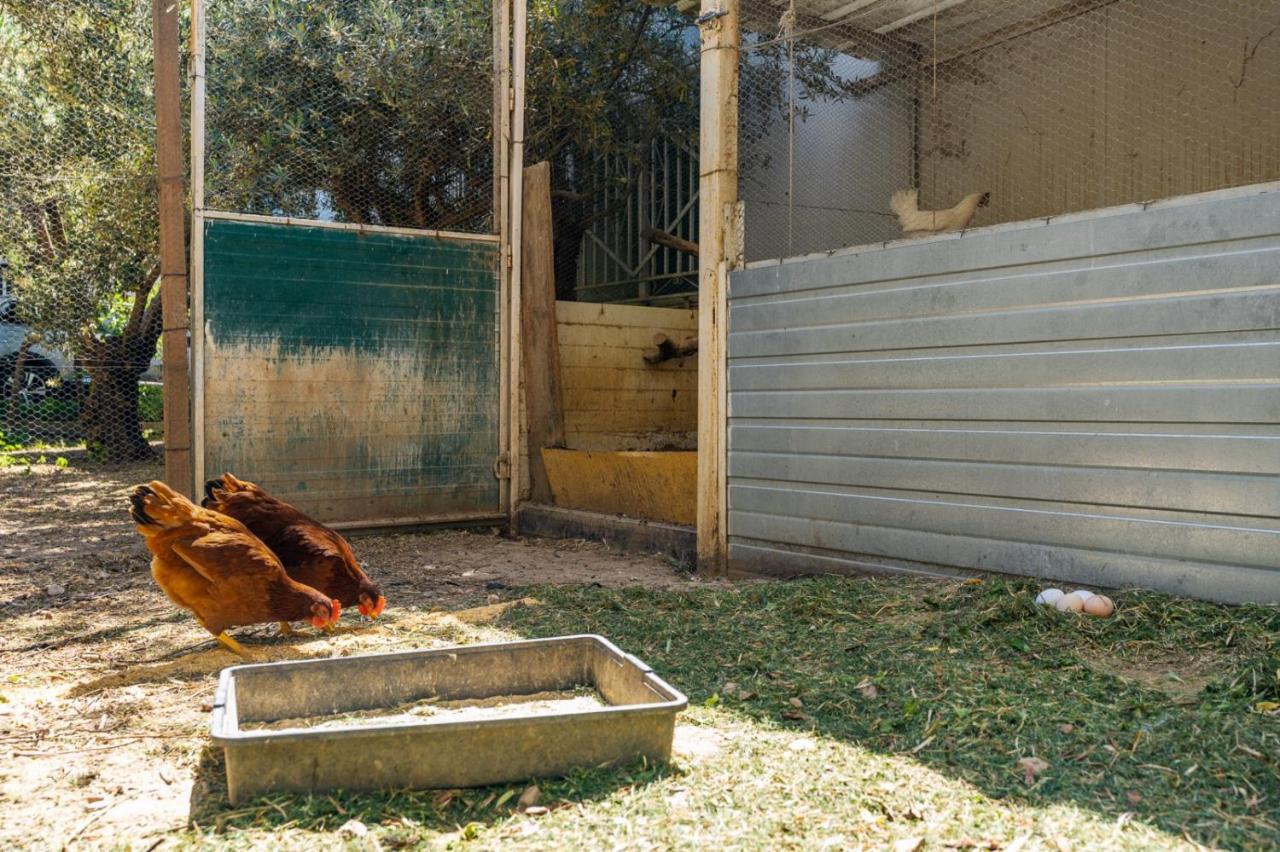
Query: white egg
x,y
1049,597
1084,594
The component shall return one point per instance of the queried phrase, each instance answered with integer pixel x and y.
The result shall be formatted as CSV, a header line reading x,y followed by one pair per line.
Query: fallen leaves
x,y
529,798
1031,767
970,843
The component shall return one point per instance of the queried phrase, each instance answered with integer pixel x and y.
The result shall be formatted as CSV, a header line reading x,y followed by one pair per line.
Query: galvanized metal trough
x,y
638,721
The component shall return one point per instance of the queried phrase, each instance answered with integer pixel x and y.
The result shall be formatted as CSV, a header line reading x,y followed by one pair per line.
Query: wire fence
x,y
79,309
372,113
975,113
612,106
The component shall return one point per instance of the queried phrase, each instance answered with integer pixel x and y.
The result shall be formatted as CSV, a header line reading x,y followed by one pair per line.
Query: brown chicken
x,y
311,552
210,564
922,223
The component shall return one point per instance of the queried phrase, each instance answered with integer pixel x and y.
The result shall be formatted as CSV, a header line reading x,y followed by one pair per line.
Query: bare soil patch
x,y
106,686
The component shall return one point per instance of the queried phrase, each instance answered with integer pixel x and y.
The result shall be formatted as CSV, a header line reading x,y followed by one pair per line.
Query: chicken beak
x,y
378,607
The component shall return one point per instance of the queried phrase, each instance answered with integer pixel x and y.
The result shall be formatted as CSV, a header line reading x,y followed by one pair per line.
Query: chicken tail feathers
x,y
217,490
138,506
212,492
905,202
156,504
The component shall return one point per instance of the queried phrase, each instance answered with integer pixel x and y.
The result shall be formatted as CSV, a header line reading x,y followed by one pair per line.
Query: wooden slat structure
x,y
613,400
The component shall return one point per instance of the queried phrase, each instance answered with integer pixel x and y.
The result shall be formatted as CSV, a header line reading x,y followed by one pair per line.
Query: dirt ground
x,y
104,700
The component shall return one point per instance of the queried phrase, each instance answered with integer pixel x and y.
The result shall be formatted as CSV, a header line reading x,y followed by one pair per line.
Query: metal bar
x,y
940,6
197,236
502,219
350,226
515,454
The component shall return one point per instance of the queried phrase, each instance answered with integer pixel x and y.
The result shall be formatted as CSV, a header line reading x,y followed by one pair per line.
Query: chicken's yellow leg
x,y
286,629
231,645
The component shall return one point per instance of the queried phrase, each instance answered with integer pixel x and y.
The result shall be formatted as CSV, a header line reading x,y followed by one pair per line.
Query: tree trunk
x,y
12,424
110,415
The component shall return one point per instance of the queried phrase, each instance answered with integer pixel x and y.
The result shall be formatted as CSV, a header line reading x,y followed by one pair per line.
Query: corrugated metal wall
x,y
354,374
1095,398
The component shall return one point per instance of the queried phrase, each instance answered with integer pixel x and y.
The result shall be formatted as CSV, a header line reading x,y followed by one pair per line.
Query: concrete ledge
x,y
615,531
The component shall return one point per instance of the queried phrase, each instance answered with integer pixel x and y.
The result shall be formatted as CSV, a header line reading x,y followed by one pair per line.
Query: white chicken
x,y
922,223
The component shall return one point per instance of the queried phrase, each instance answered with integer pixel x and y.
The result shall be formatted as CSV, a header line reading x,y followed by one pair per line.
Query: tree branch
x,y
671,241
138,310
35,217
53,219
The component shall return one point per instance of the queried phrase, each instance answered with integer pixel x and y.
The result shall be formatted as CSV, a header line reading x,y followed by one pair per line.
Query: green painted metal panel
x,y
355,374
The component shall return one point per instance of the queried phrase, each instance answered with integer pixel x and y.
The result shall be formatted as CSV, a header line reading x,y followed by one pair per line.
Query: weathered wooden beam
x,y
671,241
178,468
543,397
717,205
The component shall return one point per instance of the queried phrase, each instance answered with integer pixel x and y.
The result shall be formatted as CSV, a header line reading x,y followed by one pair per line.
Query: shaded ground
x,y
824,714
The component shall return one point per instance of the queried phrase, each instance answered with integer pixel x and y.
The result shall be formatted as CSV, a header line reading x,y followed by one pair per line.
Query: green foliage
x,y
378,111
150,403
77,185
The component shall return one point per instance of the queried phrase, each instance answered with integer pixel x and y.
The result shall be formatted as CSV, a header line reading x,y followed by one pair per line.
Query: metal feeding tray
x,y
261,714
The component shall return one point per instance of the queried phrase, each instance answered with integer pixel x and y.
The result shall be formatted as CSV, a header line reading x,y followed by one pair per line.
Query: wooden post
x,y
541,365
718,194
178,470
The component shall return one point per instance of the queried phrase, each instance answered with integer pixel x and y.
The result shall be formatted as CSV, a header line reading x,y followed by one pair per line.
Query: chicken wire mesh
x,y
79,310
993,111
612,105
372,112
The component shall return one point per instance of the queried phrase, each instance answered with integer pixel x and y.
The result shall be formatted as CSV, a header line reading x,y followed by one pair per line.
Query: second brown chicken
x,y
312,553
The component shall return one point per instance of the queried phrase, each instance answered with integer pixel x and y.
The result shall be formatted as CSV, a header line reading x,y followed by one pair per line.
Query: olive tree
x,y
78,220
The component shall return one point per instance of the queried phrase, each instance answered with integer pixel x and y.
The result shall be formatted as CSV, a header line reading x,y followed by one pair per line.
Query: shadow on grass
x,y
414,816
1152,714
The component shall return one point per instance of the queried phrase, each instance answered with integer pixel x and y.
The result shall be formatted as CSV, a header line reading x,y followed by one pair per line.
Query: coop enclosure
x,y
1051,106
1078,379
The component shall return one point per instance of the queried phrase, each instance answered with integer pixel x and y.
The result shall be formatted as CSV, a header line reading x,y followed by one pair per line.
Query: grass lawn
x,y
878,714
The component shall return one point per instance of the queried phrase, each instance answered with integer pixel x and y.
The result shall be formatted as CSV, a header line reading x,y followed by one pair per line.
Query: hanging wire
x,y
787,30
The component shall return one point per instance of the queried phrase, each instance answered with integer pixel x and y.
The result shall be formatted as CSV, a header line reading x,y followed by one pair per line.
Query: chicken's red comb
x,y
335,609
